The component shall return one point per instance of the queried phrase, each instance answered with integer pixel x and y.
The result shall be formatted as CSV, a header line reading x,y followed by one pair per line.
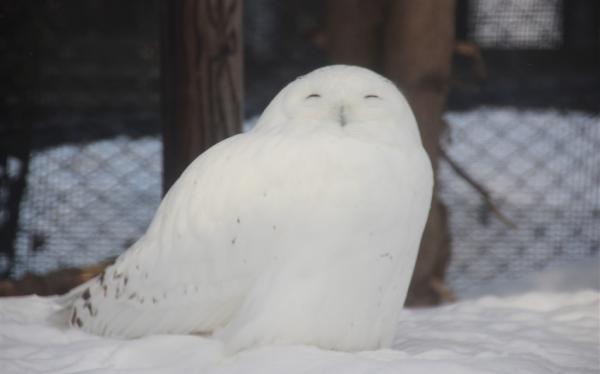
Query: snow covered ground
x,y
534,328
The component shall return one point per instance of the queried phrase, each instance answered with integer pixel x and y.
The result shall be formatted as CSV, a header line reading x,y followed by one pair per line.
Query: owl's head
x,y
342,100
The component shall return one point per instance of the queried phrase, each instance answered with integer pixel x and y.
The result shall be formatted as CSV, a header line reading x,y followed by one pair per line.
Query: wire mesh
x,y
541,168
86,202
516,23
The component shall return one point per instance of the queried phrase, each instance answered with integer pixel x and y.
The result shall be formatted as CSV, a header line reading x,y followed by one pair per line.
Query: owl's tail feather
x,y
62,316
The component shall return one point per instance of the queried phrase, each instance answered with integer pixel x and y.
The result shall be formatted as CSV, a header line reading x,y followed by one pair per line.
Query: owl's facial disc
x,y
341,107
343,100
325,106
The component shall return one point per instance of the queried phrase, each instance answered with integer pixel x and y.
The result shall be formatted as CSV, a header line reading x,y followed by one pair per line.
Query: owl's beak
x,y
342,115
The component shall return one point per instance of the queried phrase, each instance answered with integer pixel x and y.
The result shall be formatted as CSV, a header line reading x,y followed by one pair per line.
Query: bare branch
x,y
485,194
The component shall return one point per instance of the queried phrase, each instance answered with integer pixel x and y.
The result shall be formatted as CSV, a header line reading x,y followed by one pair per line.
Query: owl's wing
x,y
176,267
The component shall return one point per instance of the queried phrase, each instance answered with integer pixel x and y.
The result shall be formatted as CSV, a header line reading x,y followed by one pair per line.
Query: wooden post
x,y
417,56
202,82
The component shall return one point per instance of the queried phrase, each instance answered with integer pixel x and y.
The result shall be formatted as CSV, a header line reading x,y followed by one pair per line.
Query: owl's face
x,y
344,100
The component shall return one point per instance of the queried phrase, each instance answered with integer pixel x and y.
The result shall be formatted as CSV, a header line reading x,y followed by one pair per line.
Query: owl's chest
x,y
325,185
273,202
330,160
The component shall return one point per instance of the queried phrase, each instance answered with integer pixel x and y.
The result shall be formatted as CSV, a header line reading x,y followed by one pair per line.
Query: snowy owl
x,y
304,230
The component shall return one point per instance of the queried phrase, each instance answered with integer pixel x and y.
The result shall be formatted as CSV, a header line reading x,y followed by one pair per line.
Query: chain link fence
x,y
516,24
528,133
92,163
87,201
94,170
542,169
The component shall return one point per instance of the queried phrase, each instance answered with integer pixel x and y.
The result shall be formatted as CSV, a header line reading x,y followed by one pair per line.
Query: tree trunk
x,y
202,81
410,42
418,52
353,31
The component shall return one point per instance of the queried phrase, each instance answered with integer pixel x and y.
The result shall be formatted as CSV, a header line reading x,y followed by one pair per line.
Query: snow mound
x,y
535,332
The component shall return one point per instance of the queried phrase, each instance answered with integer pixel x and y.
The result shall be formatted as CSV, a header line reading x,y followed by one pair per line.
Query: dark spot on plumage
x,y
142,300
154,301
90,309
101,277
105,288
74,316
146,275
86,294
388,255
342,116
238,220
78,322
125,280
132,296
233,240
274,227
137,267
117,275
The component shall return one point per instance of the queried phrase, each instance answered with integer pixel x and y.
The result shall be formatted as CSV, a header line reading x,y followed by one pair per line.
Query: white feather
x,y
303,231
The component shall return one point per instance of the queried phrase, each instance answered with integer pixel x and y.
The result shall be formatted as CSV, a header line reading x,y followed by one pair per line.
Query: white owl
x,y
304,230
